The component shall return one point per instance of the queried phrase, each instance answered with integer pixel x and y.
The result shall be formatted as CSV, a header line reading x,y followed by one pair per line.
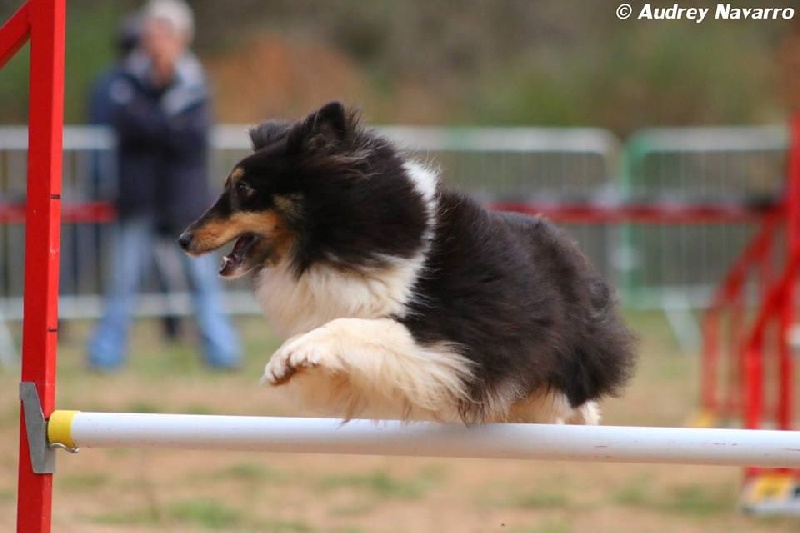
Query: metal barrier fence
x,y
680,265
656,266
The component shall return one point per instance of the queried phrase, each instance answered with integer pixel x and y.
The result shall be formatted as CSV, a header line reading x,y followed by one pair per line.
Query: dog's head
x,y
320,189
262,207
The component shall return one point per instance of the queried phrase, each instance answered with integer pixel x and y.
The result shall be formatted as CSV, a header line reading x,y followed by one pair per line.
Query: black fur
x,y
524,304
512,292
357,209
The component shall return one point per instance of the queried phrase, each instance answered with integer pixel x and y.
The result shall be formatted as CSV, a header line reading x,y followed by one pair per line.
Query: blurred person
x,y
160,112
103,172
100,104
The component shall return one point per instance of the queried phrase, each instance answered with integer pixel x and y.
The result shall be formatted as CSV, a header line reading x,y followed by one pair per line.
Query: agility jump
x,y
610,444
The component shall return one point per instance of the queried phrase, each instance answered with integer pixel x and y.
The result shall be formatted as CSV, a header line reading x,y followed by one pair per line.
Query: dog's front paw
x,y
311,350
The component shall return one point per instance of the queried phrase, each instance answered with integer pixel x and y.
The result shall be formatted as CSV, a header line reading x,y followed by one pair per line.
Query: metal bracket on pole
x,y
43,459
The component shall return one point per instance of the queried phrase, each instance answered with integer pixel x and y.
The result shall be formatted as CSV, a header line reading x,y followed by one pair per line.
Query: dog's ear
x,y
268,133
326,128
331,120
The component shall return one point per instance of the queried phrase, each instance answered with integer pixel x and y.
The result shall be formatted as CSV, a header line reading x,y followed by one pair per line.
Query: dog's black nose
x,y
185,240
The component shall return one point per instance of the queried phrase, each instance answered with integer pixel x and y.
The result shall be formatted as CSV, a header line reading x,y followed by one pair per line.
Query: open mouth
x,y
234,260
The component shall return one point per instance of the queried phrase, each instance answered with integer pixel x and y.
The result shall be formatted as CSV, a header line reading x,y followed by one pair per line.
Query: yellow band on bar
x,y
59,428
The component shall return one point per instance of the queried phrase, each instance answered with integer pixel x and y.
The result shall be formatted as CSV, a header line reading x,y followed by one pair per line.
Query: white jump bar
x,y
739,447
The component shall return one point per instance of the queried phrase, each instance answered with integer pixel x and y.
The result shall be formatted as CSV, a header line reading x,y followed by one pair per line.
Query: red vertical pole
x,y
786,364
752,385
710,362
753,380
735,341
42,242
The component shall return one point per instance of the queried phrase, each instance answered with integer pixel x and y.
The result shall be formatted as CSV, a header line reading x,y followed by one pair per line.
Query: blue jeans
x,y
134,240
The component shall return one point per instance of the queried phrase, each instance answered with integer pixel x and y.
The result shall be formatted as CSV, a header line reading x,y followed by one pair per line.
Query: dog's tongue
x,y
234,259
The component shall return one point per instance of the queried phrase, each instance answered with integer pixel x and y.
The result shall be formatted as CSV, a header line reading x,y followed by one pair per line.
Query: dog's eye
x,y
243,188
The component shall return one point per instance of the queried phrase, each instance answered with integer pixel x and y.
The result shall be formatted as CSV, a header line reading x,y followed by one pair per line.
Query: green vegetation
x,y
253,473
136,517
91,28
538,500
379,484
699,499
89,482
210,514
546,526
641,76
634,493
285,527
548,63
204,513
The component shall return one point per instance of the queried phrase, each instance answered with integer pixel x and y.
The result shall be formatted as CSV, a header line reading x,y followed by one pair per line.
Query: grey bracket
x,y
43,459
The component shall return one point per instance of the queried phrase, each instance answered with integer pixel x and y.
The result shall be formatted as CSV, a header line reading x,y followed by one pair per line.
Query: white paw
x,y
311,350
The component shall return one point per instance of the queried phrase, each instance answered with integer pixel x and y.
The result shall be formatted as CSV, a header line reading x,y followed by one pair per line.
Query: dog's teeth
x,y
225,265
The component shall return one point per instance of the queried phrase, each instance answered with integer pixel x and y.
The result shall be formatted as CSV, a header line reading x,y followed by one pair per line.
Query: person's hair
x,y
176,12
130,31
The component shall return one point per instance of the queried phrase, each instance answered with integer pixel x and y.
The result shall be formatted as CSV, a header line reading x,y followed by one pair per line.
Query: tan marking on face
x,y
284,204
215,233
237,174
288,205
282,241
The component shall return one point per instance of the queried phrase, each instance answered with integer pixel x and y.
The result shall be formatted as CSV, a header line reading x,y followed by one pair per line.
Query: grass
x,y
538,500
381,485
170,490
699,500
360,507
633,493
286,527
204,513
546,526
135,517
696,499
142,407
86,482
253,473
210,514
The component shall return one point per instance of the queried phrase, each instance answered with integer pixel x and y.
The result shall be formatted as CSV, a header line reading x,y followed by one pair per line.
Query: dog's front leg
x,y
371,367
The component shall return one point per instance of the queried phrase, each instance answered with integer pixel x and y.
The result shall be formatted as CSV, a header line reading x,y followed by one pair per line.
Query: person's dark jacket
x,y
163,143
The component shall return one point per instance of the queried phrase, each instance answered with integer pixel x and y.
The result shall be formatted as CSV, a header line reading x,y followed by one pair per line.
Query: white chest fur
x,y
322,294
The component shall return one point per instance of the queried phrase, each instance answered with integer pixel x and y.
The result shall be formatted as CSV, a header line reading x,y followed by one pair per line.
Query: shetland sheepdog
x,y
401,298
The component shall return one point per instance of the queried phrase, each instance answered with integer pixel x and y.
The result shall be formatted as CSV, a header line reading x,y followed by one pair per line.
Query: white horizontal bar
x,y
86,306
563,140
715,139
434,138
74,138
497,441
527,139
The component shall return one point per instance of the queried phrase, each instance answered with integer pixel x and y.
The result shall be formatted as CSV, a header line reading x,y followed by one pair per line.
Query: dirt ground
x,y
138,491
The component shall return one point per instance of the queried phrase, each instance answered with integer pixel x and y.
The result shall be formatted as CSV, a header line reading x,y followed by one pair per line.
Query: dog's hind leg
x,y
552,407
371,367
